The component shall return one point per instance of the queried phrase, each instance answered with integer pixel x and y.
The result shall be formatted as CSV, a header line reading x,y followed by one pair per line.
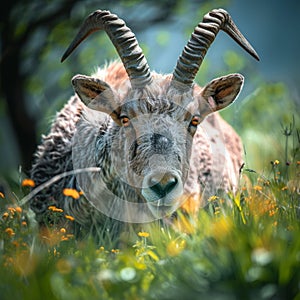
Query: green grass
x,y
249,249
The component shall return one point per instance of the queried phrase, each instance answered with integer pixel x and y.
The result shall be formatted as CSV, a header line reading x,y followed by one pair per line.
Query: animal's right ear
x,y
96,94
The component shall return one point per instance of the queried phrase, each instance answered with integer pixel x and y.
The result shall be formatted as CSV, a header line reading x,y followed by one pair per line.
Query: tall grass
x,y
249,249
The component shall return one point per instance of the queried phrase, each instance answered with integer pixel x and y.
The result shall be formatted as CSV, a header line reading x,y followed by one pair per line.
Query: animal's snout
x,y
162,186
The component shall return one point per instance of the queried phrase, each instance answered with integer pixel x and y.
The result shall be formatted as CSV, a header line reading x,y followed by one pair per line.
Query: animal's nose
x,y
162,185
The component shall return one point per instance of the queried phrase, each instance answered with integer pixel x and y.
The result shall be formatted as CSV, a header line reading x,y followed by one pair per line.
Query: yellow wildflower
x,y
69,217
2,195
28,182
272,212
18,209
143,234
58,210
12,210
221,228
9,231
276,162
63,230
71,193
257,188
213,198
16,244
64,238
55,209
5,215
175,247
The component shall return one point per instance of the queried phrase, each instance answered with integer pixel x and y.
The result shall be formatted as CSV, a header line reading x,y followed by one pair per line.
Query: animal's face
x,y
155,127
157,139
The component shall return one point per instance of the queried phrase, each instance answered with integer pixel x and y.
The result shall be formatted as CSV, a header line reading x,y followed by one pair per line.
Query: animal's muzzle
x,y
162,188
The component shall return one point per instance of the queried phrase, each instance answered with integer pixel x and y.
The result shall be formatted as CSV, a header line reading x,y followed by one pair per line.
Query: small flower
x,y
5,215
143,234
69,217
276,162
9,231
257,188
217,210
28,182
12,210
284,188
16,244
272,212
18,209
55,209
116,251
71,193
176,247
213,198
2,195
63,230
24,223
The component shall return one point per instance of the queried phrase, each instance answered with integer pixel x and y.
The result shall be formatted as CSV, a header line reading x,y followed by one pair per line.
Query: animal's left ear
x,y
220,92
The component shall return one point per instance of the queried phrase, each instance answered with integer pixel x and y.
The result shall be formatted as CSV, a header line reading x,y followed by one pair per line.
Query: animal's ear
x,y
220,92
96,94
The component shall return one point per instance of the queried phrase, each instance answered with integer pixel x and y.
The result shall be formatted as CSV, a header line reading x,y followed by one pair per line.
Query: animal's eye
x,y
125,121
195,121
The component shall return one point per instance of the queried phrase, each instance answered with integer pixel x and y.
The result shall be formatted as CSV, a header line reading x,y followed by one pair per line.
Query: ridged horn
x,y
124,41
204,34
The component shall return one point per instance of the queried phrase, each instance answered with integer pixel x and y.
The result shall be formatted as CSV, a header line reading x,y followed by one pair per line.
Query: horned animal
x,y
154,140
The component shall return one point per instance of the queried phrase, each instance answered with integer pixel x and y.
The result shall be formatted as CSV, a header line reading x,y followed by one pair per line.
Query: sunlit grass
x,y
243,245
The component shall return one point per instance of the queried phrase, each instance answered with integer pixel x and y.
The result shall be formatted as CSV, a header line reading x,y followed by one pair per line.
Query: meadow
x,y
247,250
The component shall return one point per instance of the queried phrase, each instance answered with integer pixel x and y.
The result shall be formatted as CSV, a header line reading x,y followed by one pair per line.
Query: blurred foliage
x,y
260,117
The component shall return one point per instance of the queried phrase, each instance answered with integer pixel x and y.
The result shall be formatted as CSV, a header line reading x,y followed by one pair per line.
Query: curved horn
x,y
124,41
204,34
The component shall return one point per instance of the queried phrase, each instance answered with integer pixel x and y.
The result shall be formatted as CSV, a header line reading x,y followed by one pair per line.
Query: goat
x,y
142,130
